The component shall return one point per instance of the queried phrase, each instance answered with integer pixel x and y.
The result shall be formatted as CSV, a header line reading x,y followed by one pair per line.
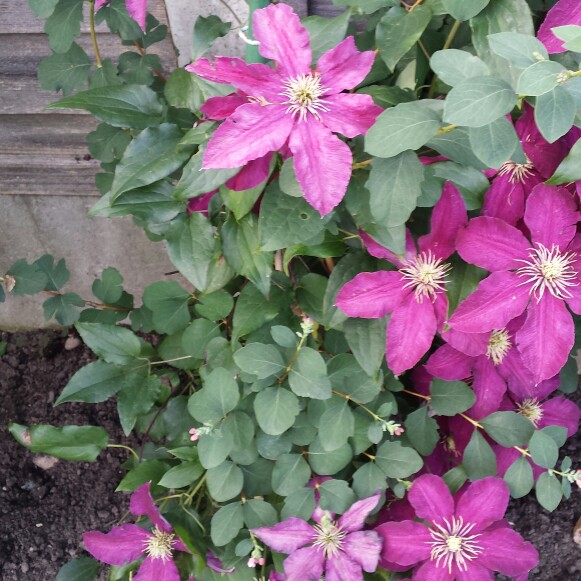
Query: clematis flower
x,y
137,9
539,277
338,549
127,543
562,13
292,104
463,537
415,293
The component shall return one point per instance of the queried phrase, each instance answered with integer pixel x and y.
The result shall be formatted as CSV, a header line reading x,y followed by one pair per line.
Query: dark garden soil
x,y
45,510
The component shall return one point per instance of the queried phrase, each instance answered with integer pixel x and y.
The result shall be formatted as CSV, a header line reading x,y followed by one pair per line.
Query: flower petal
x,y
322,164
363,547
283,39
371,295
448,217
251,132
405,543
449,364
380,251
354,518
551,216
137,9
157,570
496,301
340,567
218,108
505,199
304,565
410,333
492,244
251,175
546,338
505,551
559,411
431,498
286,536
563,12
483,503
489,388
472,344
141,504
121,545
474,572
429,571
350,114
344,67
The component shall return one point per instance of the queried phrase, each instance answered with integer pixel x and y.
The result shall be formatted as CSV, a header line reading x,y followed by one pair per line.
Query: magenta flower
x,y
415,293
293,104
137,9
540,277
127,543
463,538
338,549
563,12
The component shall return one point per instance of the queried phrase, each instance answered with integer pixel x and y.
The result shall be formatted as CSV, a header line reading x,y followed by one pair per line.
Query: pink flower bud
x,y
252,562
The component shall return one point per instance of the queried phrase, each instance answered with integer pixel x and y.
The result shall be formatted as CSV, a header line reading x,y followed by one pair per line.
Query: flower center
x,y
498,346
518,171
304,96
426,275
531,409
453,544
329,537
549,270
159,545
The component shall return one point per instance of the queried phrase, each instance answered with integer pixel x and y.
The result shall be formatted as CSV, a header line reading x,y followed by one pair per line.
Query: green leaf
x,y
336,496
147,471
398,461
478,101
225,481
326,463
455,478
112,343
519,478
259,359
539,78
29,278
543,449
471,182
79,569
555,113
119,21
258,513
348,377
57,275
368,479
399,30
64,24
226,524
464,279
137,399
42,9
405,126
215,306
214,448
422,431
455,145
366,339
206,31
135,106
571,34
182,475
291,472
219,396
521,50
336,426
276,409
454,66
284,336
494,143
107,74
569,376
299,504
462,10
449,398
196,337
62,308
74,443
479,459
168,302
185,90
394,185
241,203
108,288
326,33
548,491
308,376
508,428
569,169
241,428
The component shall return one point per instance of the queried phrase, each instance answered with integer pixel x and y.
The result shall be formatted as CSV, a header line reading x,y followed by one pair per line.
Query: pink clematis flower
x,y
338,549
292,104
415,293
127,543
562,13
464,537
137,9
540,277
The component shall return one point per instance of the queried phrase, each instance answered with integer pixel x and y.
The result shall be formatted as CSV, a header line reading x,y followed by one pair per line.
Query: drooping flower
x,y
292,105
415,293
127,543
137,9
563,12
464,537
337,549
540,277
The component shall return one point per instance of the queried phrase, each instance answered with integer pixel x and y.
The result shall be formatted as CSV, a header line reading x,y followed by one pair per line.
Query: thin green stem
x,y
125,448
93,34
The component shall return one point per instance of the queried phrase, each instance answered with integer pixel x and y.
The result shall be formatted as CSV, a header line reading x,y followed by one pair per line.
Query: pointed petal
x,y
520,380
350,114
340,567
492,244
563,12
251,132
551,216
141,504
405,543
546,338
322,164
483,503
379,251
410,333
431,498
371,295
475,572
505,551
429,571
559,411
489,388
449,364
251,175
304,565
441,310
137,9
157,570
283,39
256,79
344,67
218,108
448,217
354,518
286,536
364,548
121,545
472,344
496,301
505,199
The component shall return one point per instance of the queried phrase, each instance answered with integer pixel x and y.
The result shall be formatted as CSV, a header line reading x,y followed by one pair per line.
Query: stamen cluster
x,y
426,274
498,346
159,545
304,96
